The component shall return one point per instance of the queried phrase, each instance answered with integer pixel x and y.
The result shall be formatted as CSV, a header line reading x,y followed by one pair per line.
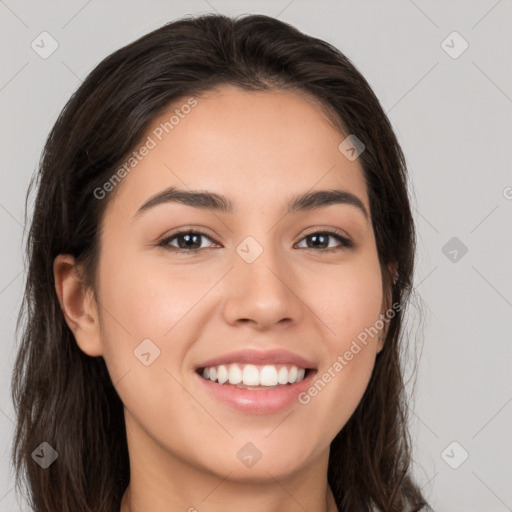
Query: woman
x,y
220,258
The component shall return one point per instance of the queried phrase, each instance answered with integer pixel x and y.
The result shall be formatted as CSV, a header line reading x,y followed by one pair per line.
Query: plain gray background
x,y
451,112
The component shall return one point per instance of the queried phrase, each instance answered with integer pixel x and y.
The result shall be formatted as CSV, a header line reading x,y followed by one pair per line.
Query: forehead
x,y
258,148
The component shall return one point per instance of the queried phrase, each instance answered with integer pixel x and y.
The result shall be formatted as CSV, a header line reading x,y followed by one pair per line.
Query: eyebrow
x,y
216,202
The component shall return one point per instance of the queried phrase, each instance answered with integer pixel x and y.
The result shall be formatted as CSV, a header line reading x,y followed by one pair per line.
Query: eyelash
x,y
345,242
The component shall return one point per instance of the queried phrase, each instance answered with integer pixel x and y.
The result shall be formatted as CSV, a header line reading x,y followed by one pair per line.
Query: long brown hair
x,y
65,397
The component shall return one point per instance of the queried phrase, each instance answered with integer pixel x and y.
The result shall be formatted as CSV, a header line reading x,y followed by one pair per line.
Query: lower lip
x,y
255,401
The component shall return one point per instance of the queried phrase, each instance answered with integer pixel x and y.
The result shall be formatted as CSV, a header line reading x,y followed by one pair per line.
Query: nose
x,y
264,292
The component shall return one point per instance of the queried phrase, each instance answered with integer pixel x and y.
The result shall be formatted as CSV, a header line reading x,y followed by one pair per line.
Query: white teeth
x,y
292,374
235,374
252,375
268,376
222,374
282,376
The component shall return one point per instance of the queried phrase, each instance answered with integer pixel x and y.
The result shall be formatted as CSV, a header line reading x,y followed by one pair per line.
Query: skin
x,y
259,149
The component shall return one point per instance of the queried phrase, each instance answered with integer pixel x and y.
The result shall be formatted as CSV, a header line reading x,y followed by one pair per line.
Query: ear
x,y
77,304
386,304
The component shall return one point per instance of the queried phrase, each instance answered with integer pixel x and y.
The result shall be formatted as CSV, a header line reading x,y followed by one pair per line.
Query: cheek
x,y
143,302
349,307
155,302
346,298
147,300
356,330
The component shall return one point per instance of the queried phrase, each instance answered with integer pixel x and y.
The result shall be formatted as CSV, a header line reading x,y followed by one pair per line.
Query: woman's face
x,y
259,280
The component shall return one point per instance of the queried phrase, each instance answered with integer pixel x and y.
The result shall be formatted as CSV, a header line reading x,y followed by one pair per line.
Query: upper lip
x,y
248,356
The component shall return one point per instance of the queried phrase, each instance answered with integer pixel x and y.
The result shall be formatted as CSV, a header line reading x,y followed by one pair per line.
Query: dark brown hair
x,y
65,397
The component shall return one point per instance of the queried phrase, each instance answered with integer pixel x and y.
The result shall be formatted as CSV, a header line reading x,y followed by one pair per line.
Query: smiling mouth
x,y
295,377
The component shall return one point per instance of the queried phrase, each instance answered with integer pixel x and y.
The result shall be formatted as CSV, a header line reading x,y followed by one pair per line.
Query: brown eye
x,y
320,240
187,241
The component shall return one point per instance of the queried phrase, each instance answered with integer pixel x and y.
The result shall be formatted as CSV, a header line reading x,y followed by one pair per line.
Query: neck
x,y
128,504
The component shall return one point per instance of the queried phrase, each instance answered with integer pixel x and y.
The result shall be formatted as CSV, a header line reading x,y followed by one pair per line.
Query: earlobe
x,y
77,304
